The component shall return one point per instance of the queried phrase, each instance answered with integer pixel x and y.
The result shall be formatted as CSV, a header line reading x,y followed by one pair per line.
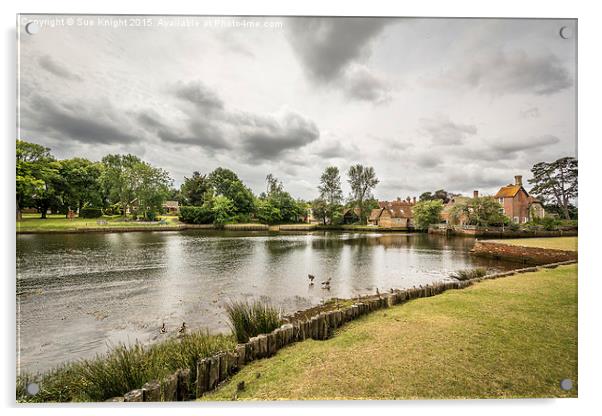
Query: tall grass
x,y
123,369
248,320
469,273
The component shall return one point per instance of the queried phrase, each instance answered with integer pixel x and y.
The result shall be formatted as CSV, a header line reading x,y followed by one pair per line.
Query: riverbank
x,y
32,224
505,338
528,251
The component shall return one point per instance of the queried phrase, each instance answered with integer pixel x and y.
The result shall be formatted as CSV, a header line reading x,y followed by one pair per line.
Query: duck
x,y
311,278
182,328
163,329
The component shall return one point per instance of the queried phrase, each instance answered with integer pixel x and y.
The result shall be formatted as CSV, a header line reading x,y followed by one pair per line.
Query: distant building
x,y
393,213
447,209
351,216
171,207
518,205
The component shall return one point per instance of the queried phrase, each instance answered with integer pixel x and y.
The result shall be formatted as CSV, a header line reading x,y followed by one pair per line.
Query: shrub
x,y
90,212
196,215
469,273
123,369
248,320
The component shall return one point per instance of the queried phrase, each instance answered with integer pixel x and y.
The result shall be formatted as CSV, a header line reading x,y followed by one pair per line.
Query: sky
x,y
454,104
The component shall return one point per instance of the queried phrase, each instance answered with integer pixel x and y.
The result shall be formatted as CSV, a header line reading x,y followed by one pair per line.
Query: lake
x,y
77,294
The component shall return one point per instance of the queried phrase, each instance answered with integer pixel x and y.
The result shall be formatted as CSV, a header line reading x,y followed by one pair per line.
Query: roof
x,y
508,191
356,211
375,213
400,212
171,204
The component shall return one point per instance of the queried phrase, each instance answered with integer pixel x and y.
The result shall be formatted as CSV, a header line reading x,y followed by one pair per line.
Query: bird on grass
x,y
182,329
311,278
163,330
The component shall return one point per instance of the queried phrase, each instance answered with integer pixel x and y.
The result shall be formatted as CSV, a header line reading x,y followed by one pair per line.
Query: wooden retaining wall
x,y
214,370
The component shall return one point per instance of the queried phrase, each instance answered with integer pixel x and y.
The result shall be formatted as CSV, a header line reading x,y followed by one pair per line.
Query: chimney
x,y
518,180
414,200
475,194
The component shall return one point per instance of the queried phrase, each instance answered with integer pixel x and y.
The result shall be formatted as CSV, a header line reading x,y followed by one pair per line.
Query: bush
x,y
196,215
90,212
469,273
123,369
248,320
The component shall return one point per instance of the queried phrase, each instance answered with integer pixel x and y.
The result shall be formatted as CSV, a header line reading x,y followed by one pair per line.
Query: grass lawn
x,y
557,243
33,222
505,338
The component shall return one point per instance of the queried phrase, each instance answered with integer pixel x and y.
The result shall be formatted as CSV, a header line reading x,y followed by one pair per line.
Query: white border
x,y
590,203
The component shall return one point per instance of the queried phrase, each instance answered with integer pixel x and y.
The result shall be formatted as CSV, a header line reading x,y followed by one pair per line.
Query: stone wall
x,y
214,370
498,232
525,255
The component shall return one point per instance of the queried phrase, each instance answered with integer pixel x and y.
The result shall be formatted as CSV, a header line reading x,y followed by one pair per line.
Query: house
x,y
351,216
447,209
171,207
518,205
393,214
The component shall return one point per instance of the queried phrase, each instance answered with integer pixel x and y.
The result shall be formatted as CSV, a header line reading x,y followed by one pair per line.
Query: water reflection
x,y
78,292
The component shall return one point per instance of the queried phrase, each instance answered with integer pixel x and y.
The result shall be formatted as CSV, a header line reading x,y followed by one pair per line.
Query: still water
x,y
77,294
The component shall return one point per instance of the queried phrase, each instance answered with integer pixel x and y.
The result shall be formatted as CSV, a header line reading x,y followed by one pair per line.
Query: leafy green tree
x,y
362,181
440,194
37,177
79,183
557,182
481,211
127,180
278,206
427,212
266,212
223,210
193,189
320,210
331,192
226,183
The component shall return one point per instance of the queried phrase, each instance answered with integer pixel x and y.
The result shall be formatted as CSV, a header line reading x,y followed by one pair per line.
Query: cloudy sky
x,y
459,104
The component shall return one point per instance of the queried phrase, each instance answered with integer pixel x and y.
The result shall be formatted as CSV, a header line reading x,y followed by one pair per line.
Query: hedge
x,y
90,212
196,215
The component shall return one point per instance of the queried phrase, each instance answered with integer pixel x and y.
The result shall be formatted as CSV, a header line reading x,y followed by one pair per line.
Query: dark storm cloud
x,y
325,46
56,68
77,121
270,137
531,143
442,131
361,84
503,72
200,95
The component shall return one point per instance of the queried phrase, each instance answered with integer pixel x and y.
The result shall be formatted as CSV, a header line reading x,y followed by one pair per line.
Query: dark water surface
x,y
79,293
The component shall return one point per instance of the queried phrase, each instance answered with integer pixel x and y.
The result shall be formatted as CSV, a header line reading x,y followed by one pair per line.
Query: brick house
x,y
447,209
393,214
518,205
171,207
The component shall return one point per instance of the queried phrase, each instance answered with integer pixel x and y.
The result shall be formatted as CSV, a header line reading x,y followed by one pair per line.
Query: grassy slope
x,y
557,243
510,337
33,222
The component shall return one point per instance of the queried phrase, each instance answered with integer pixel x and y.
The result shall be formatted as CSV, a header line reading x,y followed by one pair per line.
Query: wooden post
x,y
241,351
263,345
151,392
223,366
133,396
213,372
273,341
169,388
183,384
202,377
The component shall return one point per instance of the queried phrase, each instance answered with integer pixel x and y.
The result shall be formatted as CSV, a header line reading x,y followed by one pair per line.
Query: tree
x,y
193,189
331,192
79,184
224,182
223,210
319,209
273,184
440,194
37,177
127,179
278,206
362,181
556,181
427,212
481,211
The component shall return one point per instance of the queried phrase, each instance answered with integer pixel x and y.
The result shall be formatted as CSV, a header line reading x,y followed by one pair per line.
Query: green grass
x,y
557,243
505,338
468,274
33,222
251,319
123,369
